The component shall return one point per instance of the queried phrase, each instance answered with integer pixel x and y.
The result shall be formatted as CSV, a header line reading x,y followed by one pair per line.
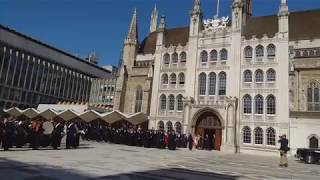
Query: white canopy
x,y
49,114
68,115
87,116
31,113
13,111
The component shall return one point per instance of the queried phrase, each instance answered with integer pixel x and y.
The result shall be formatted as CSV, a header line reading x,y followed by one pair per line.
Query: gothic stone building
x,y
246,81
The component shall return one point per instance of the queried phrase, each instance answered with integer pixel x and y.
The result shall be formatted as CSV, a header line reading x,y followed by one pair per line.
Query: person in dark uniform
x,y
36,130
71,135
190,141
57,135
284,148
21,135
7,135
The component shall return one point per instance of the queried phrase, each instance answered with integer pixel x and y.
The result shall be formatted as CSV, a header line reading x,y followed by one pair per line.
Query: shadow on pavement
x,y
15,170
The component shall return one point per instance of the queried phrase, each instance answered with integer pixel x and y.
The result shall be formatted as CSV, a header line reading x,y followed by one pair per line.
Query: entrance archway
x,y
207,123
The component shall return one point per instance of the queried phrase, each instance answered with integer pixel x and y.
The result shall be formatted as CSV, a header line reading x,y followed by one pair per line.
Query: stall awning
x,y
67,115
87,116
15,112
48,114
31,113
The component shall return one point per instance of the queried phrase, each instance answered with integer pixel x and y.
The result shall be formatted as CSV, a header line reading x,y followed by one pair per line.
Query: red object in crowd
x,y
166,140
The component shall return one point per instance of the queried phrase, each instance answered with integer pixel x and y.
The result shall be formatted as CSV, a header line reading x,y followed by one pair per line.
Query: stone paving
x,y
103,161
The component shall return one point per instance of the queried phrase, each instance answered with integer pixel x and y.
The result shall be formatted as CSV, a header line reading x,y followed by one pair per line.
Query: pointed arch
x,y
166,59
204,56
183,57
202,84
213,55
271,50
259,51
173,78
180,102
163,102
247,76
258,104
247,104
259,76
212,83
222,83
248,51
246,135
271,75
223,54
171,102
164,79
258,135
174,58
181,78
271,104
138,100
271,136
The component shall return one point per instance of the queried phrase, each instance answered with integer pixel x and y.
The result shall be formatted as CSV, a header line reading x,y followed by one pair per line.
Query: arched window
x,y
212,83
174,58
271,75
271,136
204,56
248,52
173,78
183,57
202,84
259,51
179,102
247,76
178,127
181,78
213,55
166,59
271,104
222,83
247,104
313,96
138,103
271,50
163,102
169,125
160,125
223,54
171,102
246,132
164,79
314,142
259,76
258,104
258,135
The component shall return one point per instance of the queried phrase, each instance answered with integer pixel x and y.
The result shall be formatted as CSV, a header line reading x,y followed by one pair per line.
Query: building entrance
x,y
208,126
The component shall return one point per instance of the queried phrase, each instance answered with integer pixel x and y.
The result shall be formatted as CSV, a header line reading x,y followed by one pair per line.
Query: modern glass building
x,y
32,73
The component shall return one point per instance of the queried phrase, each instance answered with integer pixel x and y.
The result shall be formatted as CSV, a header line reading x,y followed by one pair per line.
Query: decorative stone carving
x,y
216,24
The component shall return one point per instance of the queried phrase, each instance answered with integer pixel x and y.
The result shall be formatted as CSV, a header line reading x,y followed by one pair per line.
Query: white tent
x,y
49,114
67,115
13,111
31,113
89,115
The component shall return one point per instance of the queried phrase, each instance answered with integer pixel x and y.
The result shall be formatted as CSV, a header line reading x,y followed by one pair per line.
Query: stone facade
x,y
242,74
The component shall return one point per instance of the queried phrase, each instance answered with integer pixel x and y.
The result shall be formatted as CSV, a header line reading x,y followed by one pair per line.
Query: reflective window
x,y
259,51
258,104
204,56
212,83
222,83
271,104
247,76
246,132
171,102
213,55
271,136
258,135
202,84
247,104
163,102
223,54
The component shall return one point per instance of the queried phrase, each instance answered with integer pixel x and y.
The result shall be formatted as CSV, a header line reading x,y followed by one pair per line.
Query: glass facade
x,y
27,80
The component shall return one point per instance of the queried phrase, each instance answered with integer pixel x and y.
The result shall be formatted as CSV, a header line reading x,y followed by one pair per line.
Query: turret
x,y
154,19
195,19
241,13
283,19
161,29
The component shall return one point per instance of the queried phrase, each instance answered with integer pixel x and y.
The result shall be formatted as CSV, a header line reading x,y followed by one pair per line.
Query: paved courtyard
x,y
104,161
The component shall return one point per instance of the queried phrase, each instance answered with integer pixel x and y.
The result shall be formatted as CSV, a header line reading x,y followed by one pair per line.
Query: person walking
x,y
190,141
283,151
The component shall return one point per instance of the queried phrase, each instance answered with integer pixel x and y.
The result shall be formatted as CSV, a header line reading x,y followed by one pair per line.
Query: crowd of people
x,y
37,134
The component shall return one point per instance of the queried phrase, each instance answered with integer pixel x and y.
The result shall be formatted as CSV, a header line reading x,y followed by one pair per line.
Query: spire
x,y
196,7
154,19
133,29
283,10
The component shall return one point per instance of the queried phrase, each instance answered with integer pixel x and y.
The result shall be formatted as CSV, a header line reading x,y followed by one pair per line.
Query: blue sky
x,y
82,26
